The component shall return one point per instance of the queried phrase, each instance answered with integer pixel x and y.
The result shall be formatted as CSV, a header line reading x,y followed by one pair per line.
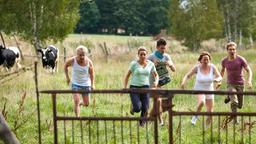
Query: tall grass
x,y
108,76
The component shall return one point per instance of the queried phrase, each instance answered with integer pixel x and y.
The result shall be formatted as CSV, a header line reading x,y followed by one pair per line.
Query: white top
x,y
80,74
204,81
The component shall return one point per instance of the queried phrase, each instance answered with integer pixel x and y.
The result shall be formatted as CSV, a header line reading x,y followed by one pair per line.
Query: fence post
x,y
155,118
38,106
55,118
169,101
65,54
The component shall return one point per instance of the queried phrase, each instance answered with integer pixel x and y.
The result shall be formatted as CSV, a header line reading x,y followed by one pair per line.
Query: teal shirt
x,y
140,75
161,67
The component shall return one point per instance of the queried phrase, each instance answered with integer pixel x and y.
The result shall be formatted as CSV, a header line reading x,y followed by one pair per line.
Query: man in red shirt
x,y
234,64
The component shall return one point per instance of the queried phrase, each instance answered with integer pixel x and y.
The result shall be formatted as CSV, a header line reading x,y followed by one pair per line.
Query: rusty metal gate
x,y
125,129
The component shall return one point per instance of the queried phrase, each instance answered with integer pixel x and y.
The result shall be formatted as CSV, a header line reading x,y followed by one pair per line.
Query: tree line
x,y
196,20
128,17
190,21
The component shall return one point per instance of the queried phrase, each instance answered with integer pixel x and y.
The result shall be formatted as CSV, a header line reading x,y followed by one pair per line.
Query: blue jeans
x,y
78,87
140,101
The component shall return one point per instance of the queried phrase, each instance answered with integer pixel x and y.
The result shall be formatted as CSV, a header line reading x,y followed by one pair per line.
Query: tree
x,y
144,17
156,15
129,17
195,20
39,20
89,18
239,18
107,22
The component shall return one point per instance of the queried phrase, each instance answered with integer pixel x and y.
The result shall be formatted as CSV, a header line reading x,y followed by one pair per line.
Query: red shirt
x,y
234,69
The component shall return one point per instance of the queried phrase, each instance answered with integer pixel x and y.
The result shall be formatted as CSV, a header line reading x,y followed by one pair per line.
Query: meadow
x,y
18,96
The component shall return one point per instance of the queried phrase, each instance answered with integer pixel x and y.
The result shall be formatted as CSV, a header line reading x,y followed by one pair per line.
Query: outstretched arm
x,y
187,76
66,65
218,77
249,71
155,75
171,65
222,71
127,76
91,71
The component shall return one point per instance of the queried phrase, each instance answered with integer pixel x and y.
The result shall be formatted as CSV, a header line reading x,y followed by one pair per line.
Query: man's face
x,y
231,50
161,48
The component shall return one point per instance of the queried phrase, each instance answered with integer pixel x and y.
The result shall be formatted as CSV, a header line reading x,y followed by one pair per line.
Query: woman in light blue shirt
x,y
140,71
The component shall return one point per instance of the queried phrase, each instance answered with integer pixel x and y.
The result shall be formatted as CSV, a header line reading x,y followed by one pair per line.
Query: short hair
x,y
160,42
142,48
231,44
204,53
82,48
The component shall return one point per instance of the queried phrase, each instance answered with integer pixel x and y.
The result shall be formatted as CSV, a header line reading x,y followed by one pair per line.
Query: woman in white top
x,y
206,74
82,76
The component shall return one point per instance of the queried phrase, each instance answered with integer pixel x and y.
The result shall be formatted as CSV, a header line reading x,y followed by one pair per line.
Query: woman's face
x,y
80,55
142,55
205,59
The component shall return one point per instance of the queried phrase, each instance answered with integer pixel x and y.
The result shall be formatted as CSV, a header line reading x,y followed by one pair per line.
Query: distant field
x,y
109,75
107,38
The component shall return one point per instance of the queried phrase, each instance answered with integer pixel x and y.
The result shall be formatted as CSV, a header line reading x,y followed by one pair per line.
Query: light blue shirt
x,y
140,74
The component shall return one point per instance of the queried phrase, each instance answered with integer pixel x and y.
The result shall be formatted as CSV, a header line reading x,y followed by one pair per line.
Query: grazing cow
x,y
9,56
50,58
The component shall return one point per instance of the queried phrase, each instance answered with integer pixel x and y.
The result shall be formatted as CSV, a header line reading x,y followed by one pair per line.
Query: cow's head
x,y
44,52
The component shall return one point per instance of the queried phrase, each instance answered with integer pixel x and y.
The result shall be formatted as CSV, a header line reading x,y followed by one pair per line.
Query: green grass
x,y
110,76
108,38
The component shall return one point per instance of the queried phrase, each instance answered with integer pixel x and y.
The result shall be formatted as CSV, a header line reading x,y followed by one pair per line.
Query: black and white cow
x,y
10,56
50,56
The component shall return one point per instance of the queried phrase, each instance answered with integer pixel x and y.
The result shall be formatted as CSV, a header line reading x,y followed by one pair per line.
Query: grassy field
x,y
18,97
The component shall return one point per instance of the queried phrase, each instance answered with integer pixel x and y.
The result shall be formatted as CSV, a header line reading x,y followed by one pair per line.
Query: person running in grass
x,y
82,76
234,64
162,61
140,71
206,74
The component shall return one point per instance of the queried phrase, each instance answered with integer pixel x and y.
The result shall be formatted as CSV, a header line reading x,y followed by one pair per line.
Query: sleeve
x,y
168,59
151,57
244,62
132,66
153,69
223,62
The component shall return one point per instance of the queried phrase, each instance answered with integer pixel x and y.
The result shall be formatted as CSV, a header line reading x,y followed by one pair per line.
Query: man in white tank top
x,y
206,74
82,76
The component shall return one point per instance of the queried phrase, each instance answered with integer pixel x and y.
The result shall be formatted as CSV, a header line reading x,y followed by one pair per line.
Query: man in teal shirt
x,y
162,61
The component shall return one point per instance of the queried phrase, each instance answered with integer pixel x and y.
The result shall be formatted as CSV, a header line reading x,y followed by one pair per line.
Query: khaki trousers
x,y
236,100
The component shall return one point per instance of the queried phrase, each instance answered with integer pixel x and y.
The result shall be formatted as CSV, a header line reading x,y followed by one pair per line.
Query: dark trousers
x,y
140,101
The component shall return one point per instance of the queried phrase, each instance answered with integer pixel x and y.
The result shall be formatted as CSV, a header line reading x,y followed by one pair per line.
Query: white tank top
x,y
204,81
80,74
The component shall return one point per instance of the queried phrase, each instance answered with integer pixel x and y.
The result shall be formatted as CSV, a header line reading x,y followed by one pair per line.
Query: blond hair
x,y
82,48
230,44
